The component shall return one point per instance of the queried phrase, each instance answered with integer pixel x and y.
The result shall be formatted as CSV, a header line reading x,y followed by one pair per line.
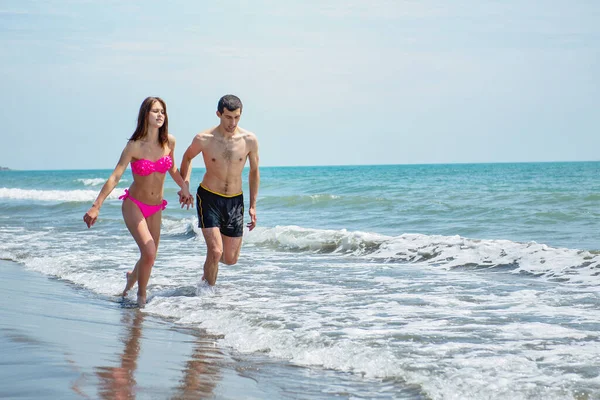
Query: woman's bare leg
x,y
139,229
153,222
131,278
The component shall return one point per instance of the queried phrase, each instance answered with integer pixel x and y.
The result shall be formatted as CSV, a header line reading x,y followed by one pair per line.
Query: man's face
x,y
230,119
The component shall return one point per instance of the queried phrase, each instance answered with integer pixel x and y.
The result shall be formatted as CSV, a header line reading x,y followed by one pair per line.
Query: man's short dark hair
x,y
229,102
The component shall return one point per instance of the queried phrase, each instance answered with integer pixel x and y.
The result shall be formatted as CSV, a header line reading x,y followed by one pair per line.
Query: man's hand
x,y
252,224
185,198
91,216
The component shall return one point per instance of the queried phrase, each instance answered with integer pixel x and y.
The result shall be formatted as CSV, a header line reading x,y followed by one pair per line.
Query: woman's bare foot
x,y
129,284
141,301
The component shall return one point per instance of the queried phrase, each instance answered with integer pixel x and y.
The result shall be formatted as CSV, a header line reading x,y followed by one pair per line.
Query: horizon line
x,y
2,168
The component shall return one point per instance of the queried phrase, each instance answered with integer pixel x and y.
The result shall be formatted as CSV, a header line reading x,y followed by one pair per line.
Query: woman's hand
x,y
185,198
91,216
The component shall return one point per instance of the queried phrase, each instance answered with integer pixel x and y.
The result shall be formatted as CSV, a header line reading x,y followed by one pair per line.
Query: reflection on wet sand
x,y
202,371
119,382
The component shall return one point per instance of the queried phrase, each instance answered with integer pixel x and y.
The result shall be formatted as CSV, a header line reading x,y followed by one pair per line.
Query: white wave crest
x,y
53,195
455,251
305,239
317,197
92,181
183,226
96,181
435,250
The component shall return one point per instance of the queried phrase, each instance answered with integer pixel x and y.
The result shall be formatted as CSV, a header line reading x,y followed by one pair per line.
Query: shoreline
x,y
59,341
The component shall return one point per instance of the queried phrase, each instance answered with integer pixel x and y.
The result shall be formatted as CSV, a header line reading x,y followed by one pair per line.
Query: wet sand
x,y
60,342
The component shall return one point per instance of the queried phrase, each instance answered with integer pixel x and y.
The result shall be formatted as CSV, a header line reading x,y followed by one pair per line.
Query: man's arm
x,y
253,182
192,151
185,198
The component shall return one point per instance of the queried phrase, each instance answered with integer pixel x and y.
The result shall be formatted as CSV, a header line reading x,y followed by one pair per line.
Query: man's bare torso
x,y
224,158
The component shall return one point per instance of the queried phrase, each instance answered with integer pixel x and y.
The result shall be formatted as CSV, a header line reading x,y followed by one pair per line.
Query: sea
x,y
455,281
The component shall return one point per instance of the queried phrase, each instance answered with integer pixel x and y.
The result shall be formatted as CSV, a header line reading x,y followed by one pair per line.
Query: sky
x,y
323,82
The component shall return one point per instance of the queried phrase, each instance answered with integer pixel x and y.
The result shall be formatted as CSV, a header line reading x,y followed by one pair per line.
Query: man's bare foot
x,y
128,285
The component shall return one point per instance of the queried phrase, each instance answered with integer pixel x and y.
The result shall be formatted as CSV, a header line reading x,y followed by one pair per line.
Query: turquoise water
x,y
462,281
551,203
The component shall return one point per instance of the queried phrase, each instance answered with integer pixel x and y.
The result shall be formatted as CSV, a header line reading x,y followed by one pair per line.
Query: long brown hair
x,y
142,125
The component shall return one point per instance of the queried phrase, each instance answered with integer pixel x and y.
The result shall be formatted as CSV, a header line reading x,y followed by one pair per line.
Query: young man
x,y
219,200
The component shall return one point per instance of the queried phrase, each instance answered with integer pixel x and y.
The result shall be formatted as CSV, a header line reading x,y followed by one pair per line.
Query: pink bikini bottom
x,y
146,209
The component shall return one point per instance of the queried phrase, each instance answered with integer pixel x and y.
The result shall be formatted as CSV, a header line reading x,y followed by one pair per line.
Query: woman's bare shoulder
x,y
171,140
132,146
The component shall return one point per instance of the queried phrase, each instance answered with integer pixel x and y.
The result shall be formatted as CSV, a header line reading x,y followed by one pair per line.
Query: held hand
x,y
91,216
182,199
185,198
252,224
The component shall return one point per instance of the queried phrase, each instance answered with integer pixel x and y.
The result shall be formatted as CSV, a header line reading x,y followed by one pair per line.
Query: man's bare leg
x,y
214,252
231,249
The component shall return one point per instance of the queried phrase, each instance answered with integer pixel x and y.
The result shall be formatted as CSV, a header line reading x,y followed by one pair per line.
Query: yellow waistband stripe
x,y
220,194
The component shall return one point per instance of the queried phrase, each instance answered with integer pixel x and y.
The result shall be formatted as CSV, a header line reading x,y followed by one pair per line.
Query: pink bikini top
x,y
146,167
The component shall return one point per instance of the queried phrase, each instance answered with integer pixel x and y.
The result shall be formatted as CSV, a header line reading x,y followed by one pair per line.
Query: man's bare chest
x,y
230,151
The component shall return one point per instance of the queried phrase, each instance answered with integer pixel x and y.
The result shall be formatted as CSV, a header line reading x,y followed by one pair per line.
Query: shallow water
x,y
442,282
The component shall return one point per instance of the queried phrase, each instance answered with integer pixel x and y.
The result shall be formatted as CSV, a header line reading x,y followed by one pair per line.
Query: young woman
x,y
150,151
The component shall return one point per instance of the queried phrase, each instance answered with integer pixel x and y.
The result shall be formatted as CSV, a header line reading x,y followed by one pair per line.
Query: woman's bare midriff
x,y
148,189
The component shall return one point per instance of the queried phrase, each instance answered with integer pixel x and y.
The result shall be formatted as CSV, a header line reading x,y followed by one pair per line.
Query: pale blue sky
x,y
323,82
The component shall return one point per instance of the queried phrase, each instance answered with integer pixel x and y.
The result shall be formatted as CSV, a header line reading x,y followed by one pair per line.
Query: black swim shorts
x,y
219,211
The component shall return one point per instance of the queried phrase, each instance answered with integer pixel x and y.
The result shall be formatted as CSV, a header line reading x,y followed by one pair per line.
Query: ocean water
x,y
463,281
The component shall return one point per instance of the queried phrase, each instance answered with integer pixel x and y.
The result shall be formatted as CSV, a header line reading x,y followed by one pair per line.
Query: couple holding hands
x,y
219,199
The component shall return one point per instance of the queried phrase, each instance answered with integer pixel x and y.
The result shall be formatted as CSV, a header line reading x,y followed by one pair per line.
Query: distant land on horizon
x,y
4,168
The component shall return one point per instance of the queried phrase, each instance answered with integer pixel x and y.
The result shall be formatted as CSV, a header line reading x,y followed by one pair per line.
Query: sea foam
x,y
53,195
